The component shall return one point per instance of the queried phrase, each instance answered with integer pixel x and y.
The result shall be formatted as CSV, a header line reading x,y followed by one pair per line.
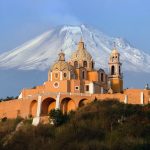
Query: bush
x,y
101,125
57,117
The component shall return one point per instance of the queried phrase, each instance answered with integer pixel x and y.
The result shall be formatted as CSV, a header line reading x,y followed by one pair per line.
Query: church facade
x,y
72,84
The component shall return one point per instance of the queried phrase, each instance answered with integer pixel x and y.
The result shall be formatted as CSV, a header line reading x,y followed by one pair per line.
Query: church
x,y
72,84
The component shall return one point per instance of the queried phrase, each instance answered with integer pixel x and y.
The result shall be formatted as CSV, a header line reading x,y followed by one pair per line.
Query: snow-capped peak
x,y
42,51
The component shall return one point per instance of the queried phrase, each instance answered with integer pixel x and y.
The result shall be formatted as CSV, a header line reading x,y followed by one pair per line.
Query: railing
x,y
55,94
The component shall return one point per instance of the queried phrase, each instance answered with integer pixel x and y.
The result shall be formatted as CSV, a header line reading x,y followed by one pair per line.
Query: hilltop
x,y
106,125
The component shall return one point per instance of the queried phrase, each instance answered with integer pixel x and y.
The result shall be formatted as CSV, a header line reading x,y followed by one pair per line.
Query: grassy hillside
x,y
106,125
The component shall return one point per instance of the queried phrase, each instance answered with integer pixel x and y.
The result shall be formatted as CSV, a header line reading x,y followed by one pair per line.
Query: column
x,y
142,98
51,76
36,120
61,75
57,101
39,106
126,99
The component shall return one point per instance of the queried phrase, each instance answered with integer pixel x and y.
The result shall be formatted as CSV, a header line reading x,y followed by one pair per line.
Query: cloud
x,y
58,18
59,12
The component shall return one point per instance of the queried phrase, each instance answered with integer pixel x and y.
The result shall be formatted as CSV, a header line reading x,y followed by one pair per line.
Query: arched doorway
x,y
67,105
33,108
47,105
83,102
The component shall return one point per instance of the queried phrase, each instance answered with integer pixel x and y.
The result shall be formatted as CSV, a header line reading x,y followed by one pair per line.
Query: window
x,y
83,74
76,87
65,75
112,70
76,64
56,84
92,65
56,75
84,63
113,59
87,88
102,77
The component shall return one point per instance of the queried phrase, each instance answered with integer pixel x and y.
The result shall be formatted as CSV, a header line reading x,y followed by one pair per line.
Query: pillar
x,y
142,98
61,75
39,106
51,76
57,101
126,99
36,120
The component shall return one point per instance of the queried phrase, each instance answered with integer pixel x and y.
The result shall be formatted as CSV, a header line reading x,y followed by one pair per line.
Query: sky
x,y
22,20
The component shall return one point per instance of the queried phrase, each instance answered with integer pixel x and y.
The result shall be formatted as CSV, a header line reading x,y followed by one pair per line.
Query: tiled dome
x,y
81,53
61,64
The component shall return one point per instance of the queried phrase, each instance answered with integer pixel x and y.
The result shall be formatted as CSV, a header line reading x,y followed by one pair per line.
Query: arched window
x,y
83,74
92,65
84,63
56,75
112,70
102,77
113,59
76,64
65,75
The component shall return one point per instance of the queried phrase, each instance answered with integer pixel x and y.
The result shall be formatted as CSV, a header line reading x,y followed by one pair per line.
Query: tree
x,y
57,117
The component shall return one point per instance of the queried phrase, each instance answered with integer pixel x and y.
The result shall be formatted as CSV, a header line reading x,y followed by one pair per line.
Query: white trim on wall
x,y
61,75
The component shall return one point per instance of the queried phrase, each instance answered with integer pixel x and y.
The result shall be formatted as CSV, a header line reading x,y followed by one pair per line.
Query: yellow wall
x,y
93,76
117,85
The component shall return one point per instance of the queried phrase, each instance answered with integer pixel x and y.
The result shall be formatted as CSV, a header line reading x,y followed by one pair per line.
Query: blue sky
x,y
22,20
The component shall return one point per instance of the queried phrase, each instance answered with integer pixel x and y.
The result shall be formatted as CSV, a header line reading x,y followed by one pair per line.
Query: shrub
x,y
101,125
57,117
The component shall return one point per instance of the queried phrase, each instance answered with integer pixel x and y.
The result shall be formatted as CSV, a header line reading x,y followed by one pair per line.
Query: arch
x,y
112,70
67,104
82,102
47,105
33,108
84,63
76,64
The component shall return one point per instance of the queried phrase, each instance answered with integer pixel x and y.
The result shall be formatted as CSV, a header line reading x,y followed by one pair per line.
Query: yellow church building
x,y
72,84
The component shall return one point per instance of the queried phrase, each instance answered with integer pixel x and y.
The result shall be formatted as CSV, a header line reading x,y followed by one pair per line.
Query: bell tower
x,y
115,74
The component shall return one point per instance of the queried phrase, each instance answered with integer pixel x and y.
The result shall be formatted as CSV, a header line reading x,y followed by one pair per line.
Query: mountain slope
x,y
42,51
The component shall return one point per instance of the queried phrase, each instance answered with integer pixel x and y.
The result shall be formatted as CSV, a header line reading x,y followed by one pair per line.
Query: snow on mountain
x,y
42,51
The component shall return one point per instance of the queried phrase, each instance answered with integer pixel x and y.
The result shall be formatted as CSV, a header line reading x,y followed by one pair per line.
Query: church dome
x,y
61,64
114,51
81,54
